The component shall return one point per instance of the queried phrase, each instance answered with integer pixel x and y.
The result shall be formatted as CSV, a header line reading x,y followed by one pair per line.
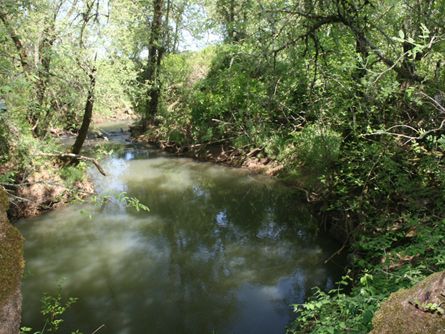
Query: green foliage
x,y
132,202
73,174
429,307
225,95
4,144
7,178
396,194
231,103
315,147
180,74
337,311
53,308
335,90
121,198
385,267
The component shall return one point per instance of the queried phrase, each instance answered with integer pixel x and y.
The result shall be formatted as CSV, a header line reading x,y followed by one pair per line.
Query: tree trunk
x,y
167,39
87,116
45,57
178,24
154,61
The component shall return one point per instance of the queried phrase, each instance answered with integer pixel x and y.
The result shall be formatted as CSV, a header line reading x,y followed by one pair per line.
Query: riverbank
x,y
389,243
220,153
381,260
47,182
46,186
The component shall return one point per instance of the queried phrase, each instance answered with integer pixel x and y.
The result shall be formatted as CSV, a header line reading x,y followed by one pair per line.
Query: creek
x,y
221,251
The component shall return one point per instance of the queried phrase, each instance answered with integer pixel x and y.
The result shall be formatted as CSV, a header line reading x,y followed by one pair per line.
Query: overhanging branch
x,y
73,156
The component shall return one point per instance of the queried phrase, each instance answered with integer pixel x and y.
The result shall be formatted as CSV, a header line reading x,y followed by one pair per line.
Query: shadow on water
x,y
220,252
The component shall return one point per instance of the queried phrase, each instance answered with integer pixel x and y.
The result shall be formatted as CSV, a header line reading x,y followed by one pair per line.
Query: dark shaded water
x,y
220,252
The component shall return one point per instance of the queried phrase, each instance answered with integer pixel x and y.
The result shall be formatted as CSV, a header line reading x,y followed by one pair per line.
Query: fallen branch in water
x,y
75,157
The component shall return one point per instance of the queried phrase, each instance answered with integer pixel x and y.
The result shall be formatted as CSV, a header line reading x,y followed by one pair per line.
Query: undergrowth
x,y
394,196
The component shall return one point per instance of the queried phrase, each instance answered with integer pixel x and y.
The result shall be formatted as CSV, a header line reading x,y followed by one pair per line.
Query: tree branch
x,y
73,156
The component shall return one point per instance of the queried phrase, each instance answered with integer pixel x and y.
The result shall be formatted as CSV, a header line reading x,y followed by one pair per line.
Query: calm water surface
x,y
220,252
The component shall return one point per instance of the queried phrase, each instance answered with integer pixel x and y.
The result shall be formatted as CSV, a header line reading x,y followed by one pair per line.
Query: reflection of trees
x,y
224,232
181,266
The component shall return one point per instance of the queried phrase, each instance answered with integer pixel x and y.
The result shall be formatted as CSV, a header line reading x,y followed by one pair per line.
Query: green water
x,y
220,252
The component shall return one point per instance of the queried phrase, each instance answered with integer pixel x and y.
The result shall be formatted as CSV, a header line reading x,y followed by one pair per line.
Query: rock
x,y
11,270
412,311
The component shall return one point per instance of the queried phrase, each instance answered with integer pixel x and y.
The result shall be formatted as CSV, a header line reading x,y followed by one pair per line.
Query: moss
x,y
4,202
399,315
11,253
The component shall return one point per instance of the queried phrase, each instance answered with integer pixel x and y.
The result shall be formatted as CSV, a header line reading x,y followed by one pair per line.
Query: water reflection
x,y
220,252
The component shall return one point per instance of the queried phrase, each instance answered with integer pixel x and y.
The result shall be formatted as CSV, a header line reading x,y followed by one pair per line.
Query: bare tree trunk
x,y
88,114
91,70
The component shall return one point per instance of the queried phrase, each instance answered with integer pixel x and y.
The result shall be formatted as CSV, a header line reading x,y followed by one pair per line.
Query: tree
x,y
156,49
91,13
234,16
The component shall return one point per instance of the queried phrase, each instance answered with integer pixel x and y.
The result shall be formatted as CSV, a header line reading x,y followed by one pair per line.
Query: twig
x,y
345,244
389,68
403,126
381,132
254,152
436,104
338,252
368,177
18,198
98,329
410,138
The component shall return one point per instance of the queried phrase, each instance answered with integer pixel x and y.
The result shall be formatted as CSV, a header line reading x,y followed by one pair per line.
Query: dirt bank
x,y
43,189
254,160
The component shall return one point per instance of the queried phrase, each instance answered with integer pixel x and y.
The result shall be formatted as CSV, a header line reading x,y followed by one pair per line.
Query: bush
x,y
315,147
